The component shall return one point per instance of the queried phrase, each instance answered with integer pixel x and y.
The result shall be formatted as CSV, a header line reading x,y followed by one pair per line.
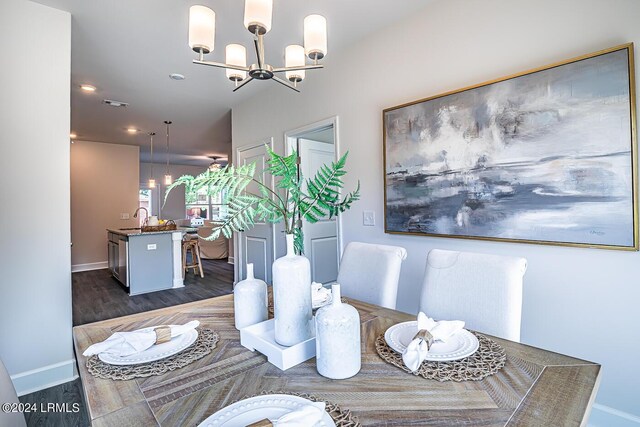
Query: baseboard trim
x,y
89,266
606,416
45,377
231,260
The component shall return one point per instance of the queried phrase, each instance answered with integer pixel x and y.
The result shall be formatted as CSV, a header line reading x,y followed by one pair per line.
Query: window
x,y
197,204
200,205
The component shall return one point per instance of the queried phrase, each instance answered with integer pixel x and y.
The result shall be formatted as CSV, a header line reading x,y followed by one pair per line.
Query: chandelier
x,y
214,165
257,19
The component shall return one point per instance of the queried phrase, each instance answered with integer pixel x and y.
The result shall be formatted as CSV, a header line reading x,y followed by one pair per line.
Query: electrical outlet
x,y
368,218
124,215
151,247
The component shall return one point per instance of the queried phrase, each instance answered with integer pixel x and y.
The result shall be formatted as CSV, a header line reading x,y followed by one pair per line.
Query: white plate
x,y
253,409
155,352
460,345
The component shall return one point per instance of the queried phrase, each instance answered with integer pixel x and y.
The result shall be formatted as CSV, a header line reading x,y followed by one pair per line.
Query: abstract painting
x,y
546,156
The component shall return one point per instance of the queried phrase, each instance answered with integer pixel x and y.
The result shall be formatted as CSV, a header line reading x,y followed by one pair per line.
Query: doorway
x,y
316,145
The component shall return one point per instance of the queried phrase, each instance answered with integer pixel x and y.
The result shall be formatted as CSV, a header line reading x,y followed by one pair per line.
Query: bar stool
x,y
196,262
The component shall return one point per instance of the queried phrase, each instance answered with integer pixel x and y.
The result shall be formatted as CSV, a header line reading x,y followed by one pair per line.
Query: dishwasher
x,y
123,261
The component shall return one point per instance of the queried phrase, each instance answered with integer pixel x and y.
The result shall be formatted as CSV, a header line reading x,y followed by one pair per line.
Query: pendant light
x,y
168,180
152,181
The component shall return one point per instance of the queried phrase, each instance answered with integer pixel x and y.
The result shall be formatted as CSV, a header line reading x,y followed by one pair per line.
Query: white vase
x,y
250,300
338,352
292,297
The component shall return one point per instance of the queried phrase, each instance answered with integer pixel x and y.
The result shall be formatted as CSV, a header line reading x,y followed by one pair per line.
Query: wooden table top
x,y
535,388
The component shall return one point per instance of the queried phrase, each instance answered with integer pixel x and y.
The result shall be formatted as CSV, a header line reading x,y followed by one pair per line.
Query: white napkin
x,y
128,343
319,294
417,350
306,416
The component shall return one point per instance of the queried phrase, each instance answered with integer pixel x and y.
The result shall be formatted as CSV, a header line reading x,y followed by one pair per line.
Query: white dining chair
x,y
8,395
483,290
370,273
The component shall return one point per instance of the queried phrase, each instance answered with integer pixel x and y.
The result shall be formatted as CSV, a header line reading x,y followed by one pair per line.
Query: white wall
x,y
104,185
583,302
35,285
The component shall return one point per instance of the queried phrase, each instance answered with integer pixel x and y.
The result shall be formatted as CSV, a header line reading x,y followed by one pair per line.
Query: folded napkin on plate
x,y
128,343
417,350
319,294
308,415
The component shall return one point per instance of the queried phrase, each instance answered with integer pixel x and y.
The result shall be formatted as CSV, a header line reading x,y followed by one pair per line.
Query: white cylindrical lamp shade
x,y
236,54
168,179
152,183
202,28
257,15
294,57
315,36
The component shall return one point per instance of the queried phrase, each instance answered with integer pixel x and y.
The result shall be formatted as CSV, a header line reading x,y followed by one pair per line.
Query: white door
x,y
256,244
320,239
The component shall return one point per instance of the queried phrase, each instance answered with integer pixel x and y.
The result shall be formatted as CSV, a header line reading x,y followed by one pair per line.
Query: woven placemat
x,y
204,344
487,360
342,417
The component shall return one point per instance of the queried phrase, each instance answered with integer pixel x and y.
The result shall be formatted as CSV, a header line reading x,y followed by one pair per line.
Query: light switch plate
x,y
151,247
124,215
369,218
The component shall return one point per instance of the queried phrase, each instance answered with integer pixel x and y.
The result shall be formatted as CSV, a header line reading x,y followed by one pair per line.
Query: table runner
x,y
204,344
487,360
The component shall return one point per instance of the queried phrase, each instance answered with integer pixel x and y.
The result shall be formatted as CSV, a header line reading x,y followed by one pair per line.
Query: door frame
x,y
290,143
237,241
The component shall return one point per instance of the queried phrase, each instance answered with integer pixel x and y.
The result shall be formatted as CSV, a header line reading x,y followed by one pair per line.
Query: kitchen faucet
x,y
135,214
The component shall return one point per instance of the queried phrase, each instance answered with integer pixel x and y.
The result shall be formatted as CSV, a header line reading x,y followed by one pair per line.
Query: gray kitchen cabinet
x,y
144,262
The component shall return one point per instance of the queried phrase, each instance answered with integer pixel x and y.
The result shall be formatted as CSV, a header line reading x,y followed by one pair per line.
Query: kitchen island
x,y
146,262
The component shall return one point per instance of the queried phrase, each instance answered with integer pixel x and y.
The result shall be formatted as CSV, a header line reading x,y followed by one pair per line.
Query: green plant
x,y
288,202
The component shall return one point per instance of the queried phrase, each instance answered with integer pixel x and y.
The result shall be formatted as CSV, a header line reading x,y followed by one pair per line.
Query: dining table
x,y
535,387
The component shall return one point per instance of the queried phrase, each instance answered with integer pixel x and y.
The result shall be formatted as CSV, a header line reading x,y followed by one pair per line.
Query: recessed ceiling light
x,y
87,88
72,135
113,103
132,130
176,76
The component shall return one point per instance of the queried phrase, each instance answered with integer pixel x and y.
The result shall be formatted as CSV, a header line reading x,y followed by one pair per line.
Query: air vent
x,y
115,103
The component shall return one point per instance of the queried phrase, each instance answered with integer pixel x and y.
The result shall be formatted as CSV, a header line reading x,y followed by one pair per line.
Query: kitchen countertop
x,y
138,232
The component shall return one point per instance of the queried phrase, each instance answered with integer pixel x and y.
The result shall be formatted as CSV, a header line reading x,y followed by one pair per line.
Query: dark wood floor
x,y
68,393
98,296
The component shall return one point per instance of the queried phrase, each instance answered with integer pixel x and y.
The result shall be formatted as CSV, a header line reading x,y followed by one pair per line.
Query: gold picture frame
x,y
411,124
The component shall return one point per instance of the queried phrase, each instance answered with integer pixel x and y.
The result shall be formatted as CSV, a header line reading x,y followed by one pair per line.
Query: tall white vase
x,y
250,300
338,352
292,297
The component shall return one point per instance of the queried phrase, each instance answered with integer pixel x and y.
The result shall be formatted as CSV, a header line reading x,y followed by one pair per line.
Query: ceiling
x,y
127,49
